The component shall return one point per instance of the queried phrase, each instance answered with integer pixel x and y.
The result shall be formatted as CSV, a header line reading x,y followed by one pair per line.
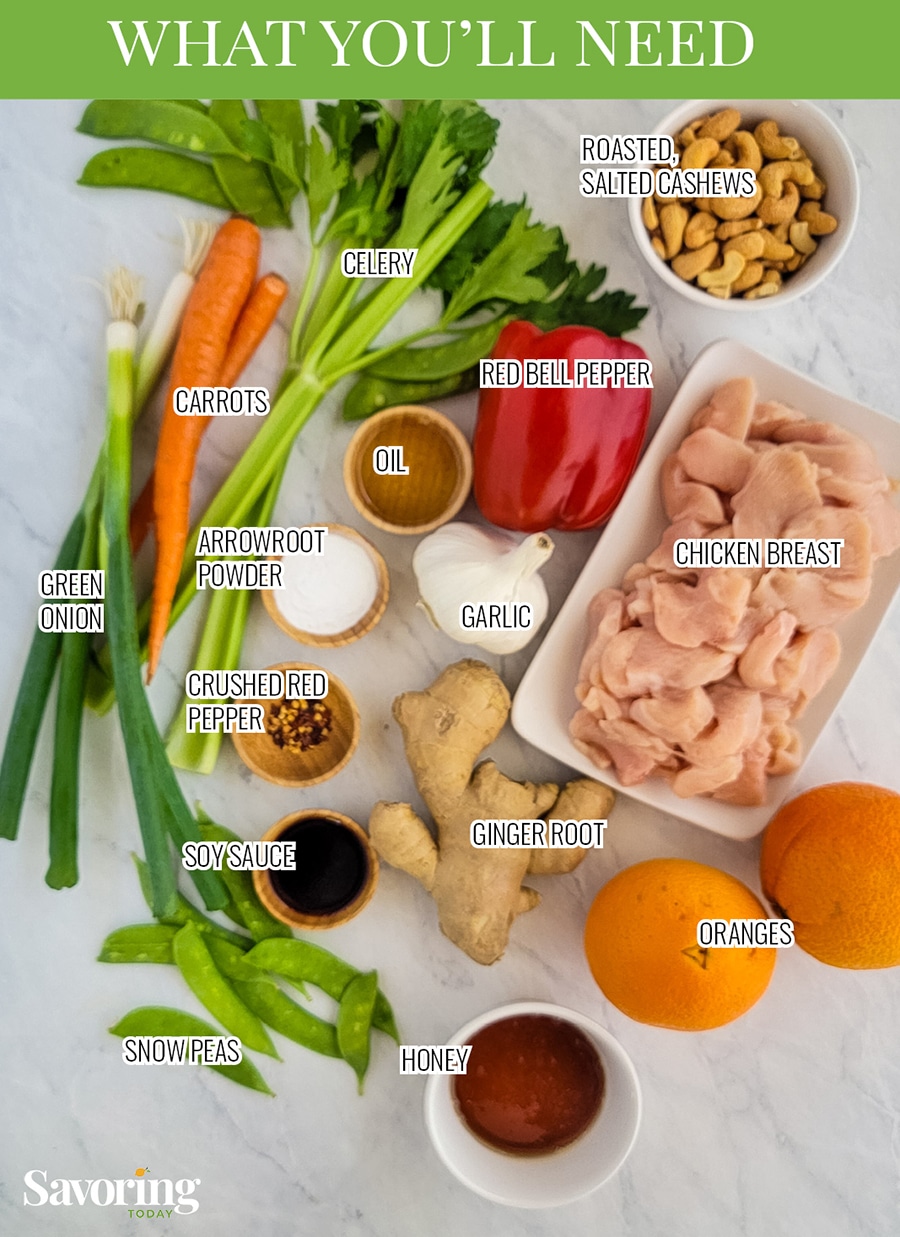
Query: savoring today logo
x,y
145,1197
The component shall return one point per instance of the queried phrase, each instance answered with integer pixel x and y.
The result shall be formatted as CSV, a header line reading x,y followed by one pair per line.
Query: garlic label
x,y
482,587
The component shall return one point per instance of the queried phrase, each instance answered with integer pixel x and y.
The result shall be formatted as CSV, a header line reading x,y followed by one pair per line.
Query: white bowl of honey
x,y
546,1112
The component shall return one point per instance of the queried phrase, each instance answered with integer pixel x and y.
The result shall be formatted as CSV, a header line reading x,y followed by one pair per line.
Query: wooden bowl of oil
x,y
408,469
290,766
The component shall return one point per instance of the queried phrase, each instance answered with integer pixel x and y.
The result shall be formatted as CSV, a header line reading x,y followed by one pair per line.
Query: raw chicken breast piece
x,y
663,557
806,665
838,523
685,499
705,613
676,717
780,485
650,664
737,721
769,416
884,521
615,659
635,752
705,780
730,409
756,665
814,599
715,459
586,737
606,616
749,787
786,751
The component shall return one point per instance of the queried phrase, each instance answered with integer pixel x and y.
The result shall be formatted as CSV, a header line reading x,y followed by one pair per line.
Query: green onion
x,y
64,779
79,550
31,700
124,648
160,341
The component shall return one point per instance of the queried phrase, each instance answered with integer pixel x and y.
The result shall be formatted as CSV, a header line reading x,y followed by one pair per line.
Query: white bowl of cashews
x,y
806,178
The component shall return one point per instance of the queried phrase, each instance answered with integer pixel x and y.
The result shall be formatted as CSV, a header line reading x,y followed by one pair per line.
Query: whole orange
x,y
831,863
641,944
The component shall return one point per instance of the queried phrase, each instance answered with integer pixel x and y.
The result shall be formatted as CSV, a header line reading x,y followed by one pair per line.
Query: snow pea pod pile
x,y
235,977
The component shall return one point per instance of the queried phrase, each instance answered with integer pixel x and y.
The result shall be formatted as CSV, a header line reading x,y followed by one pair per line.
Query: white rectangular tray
x,y
545,701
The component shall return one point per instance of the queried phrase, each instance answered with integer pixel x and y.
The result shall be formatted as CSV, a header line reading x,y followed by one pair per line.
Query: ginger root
x,y
478,892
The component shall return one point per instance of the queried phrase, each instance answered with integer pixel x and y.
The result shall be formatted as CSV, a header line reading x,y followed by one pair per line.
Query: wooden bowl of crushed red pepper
x,y
306,741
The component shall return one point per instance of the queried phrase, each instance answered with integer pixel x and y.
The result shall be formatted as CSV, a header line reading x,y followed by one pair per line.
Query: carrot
x,y
251,329
141,519
219,294
252,326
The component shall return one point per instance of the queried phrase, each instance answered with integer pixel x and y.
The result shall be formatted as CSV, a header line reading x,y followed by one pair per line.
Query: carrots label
x,y
220,401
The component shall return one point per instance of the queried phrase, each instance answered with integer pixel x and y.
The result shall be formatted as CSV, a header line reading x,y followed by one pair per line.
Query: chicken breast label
x,y
756,552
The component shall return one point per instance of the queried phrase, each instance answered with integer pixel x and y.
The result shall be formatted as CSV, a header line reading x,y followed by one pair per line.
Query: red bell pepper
x,y
557,457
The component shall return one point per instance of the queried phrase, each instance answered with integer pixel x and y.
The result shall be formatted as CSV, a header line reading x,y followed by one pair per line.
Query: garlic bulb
x,y
482,587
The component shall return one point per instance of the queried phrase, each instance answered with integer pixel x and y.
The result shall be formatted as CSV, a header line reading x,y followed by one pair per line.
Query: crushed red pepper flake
x,y
298,725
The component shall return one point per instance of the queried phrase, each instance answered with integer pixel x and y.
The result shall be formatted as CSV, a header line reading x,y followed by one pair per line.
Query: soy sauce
x,y
331,870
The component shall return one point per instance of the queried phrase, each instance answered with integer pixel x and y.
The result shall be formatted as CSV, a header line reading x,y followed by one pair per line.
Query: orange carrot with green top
x,y
252,327
219,295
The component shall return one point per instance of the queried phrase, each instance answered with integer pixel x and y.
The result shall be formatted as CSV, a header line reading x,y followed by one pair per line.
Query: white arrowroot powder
x,y
327,593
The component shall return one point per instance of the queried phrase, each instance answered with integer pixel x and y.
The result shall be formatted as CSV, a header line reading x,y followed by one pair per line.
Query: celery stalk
x,y
220,649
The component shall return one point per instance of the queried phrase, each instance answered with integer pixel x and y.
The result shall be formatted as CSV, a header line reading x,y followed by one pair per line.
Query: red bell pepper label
x,y
557,457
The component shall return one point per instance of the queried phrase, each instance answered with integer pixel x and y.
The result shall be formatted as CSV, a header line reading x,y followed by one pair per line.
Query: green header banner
x,y
402,48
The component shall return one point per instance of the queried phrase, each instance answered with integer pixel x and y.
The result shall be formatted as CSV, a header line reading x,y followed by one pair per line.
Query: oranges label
x,y
732,933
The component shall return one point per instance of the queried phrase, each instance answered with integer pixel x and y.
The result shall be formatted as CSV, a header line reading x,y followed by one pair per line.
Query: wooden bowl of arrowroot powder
x,y
333,598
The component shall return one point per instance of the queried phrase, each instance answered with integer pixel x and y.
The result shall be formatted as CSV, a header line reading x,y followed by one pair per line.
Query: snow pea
x,y
300,960
140,167
258,921
142,942
247,185
442,360
186,912
164,121
369,395
231,910
213,991
277,1010
160,1020
354,1023
229,959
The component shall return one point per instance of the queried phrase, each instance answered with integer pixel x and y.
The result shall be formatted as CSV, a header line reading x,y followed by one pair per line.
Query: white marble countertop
x,y
785,1121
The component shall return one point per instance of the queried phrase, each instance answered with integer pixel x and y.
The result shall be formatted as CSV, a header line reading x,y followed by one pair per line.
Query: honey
x,y
533,1084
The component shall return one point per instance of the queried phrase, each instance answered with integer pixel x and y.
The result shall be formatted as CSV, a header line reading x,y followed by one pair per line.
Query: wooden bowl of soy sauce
x,y
335,875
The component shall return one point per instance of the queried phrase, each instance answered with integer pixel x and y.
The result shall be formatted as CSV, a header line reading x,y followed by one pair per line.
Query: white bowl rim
x,y
610,1045
793,289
